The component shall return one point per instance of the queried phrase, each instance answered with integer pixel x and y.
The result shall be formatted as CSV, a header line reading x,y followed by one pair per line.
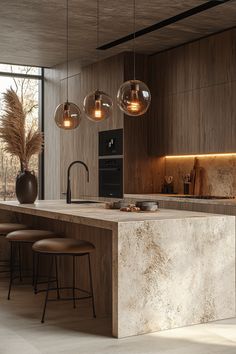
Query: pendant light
x,y
133,96
97,104
67,115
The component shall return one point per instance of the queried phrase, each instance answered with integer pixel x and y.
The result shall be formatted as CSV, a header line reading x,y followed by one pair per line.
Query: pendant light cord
x,y
134,38
67,49
98,41
98,28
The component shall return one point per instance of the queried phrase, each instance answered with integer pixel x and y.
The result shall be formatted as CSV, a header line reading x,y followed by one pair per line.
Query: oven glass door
x,y
111,178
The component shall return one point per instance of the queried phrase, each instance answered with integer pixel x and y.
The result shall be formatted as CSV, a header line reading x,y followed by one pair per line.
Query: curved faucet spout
x,y
68,191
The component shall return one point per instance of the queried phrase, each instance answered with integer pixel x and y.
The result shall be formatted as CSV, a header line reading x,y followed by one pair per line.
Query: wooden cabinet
x,y
193,98
174,127
217,118
217,58
141,171
185,123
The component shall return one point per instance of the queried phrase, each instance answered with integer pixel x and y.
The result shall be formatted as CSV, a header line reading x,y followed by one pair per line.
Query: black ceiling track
x,y
195,10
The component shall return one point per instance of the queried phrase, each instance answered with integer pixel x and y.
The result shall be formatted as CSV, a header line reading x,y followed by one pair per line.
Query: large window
x,y
27,82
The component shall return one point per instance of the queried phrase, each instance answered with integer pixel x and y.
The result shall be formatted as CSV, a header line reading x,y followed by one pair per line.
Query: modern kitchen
x,y
118,177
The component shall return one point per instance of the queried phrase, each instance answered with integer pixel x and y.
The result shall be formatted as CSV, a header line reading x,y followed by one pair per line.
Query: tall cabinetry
x,y
193,97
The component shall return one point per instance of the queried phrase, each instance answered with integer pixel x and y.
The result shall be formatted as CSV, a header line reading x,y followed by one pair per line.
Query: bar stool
x,y
21,238
57,247
5,228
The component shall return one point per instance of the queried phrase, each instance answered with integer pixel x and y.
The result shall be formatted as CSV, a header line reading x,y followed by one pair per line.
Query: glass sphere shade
x,y
134,97
67,116
98,106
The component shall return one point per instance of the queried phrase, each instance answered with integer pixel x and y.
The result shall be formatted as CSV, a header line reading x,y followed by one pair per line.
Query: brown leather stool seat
x,y
5,228
62,246
29,235
19,238
56,247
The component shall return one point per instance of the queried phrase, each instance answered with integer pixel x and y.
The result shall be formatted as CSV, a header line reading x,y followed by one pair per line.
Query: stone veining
x,y
174,273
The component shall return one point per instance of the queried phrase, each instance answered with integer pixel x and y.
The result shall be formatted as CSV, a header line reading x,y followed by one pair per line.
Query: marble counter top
x,y
180,198
94,214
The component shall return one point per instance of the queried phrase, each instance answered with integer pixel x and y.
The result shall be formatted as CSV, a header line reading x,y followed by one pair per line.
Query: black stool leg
x,y
11,271
48,288
91,285
33,273
20,270
58,293
74,282
36,273
4,264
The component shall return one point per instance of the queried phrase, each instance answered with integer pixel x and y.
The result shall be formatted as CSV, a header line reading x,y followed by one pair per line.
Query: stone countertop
x,y
94,214
180,198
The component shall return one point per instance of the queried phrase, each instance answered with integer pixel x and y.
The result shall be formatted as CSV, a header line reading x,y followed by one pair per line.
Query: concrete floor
x,y
71,331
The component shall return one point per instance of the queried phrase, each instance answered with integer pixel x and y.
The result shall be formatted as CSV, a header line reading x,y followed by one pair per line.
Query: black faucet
x,y
68,191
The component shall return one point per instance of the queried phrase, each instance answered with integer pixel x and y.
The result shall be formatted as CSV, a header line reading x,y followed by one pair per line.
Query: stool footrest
x,y
36,291
71,298
76,293
64,288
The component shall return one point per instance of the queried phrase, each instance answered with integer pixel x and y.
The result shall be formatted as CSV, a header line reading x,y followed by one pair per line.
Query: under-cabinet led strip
x,y
200,155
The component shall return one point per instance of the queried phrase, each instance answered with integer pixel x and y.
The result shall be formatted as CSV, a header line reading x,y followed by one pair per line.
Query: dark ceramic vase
x,y
26,187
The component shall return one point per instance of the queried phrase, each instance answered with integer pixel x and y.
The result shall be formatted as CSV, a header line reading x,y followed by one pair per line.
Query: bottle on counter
x,y
187,182
168,186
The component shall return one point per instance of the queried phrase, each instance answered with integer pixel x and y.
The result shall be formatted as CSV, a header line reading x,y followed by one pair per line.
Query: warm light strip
x,y
200,155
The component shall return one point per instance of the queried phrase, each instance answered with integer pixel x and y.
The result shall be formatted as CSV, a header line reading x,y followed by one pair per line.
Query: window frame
x,y
40,78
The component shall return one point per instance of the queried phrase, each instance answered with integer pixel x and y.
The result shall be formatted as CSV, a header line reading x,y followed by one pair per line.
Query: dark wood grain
x,y
217,59
193,105
142,173
217,121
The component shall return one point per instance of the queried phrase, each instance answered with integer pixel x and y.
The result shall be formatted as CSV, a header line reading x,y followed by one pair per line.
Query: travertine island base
x,y
169,269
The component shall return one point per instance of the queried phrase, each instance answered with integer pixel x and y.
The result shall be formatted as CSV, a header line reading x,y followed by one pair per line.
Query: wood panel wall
x,y
193,89
52,135
142,172
63,147
82,143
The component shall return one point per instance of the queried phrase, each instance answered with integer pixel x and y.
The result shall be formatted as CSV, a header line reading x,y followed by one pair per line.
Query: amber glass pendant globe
x,y
67,116
134,97
98,106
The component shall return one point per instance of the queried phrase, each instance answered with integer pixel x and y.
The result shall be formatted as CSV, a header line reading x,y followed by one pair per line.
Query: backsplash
x,y
220,173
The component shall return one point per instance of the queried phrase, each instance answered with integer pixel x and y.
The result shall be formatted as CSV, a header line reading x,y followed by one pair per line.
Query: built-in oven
x,y
111,163
111,178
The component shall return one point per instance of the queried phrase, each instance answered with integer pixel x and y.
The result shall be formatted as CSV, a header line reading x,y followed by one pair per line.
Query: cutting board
x,y
198,179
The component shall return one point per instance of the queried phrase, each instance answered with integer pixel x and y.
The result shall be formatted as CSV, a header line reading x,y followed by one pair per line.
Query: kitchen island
x,y
167,269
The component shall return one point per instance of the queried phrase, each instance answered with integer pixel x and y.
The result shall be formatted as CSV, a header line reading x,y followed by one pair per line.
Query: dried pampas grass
x,y
13,131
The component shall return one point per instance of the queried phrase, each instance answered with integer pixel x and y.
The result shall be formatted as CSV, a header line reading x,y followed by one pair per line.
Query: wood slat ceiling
x,y
32,32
